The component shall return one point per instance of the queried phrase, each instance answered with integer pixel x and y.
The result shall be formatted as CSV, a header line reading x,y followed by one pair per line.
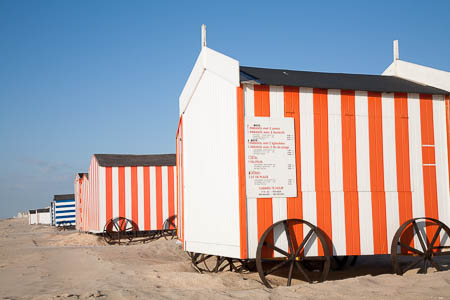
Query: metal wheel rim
x,y
424,253
124,228
291,258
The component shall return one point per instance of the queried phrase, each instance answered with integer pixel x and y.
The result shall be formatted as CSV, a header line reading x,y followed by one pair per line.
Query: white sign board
x,y
270,157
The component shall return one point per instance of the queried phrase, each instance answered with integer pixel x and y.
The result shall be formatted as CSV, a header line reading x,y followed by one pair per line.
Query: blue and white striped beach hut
x,y
64,209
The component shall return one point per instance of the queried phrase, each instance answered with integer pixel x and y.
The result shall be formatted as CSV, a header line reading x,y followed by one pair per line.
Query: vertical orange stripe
x,y
264,205
241,174
134,195
295,205
159,208
403,163
350,178
322,163
147,214
428,160
170,194
377,174
108,188
121,171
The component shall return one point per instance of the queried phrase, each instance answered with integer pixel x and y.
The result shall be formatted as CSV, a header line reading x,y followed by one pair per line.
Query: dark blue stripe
x,y
65,211
65,217
61,206
59,201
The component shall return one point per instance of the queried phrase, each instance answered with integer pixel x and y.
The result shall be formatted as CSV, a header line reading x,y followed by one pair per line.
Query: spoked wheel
x,y
169,231
408,254
118,229
273,262
204,263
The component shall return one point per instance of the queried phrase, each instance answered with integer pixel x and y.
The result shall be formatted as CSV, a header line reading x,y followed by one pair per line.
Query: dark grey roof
x,y
41,210
33,211
64,197
123,160
357,82
82,174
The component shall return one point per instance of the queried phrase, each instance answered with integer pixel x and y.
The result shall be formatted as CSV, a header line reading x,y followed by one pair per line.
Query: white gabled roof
x,y
221,65
420,74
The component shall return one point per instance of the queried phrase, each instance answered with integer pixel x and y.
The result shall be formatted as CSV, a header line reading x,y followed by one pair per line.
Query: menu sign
x,y
270,157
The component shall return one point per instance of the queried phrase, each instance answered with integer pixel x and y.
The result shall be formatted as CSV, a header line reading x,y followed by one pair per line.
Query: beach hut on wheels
x,y
130,194
292,168
64,210
81,185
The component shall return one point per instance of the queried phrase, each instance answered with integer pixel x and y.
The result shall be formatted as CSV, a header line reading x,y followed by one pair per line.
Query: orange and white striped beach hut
x,y
354,155
141,188
81,185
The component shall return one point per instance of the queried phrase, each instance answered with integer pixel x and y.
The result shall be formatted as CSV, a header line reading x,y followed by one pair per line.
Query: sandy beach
x,y
39,262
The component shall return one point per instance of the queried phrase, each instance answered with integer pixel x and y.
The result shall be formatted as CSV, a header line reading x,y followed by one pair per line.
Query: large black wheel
x,y
407,255
273,269
118,229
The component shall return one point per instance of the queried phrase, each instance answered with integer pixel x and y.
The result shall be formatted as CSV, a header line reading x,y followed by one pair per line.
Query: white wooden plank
x,y
442,180
363,173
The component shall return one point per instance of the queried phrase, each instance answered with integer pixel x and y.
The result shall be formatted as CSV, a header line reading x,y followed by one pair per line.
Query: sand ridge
x,y
39,262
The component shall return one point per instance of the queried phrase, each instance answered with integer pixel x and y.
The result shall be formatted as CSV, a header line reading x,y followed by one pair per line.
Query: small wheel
x,y
426,253
119,228
312,269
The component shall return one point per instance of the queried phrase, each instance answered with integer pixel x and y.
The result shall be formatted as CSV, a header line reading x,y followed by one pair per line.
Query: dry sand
x,y
38,262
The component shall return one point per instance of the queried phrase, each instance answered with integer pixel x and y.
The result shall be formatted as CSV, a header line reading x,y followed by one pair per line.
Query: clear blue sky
x,y
84,77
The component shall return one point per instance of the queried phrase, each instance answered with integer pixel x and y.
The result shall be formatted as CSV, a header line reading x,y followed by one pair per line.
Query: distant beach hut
x,y
81,187
138,189
64,210
43,216
32,217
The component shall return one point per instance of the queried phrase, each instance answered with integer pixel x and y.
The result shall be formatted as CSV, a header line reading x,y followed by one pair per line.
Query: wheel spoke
x,y
300,268
270,260
276,267
288,235
435,265
305,240
115,226
291,268
436,235
424,268
410,248
203,259
273,247
412,265
419,235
